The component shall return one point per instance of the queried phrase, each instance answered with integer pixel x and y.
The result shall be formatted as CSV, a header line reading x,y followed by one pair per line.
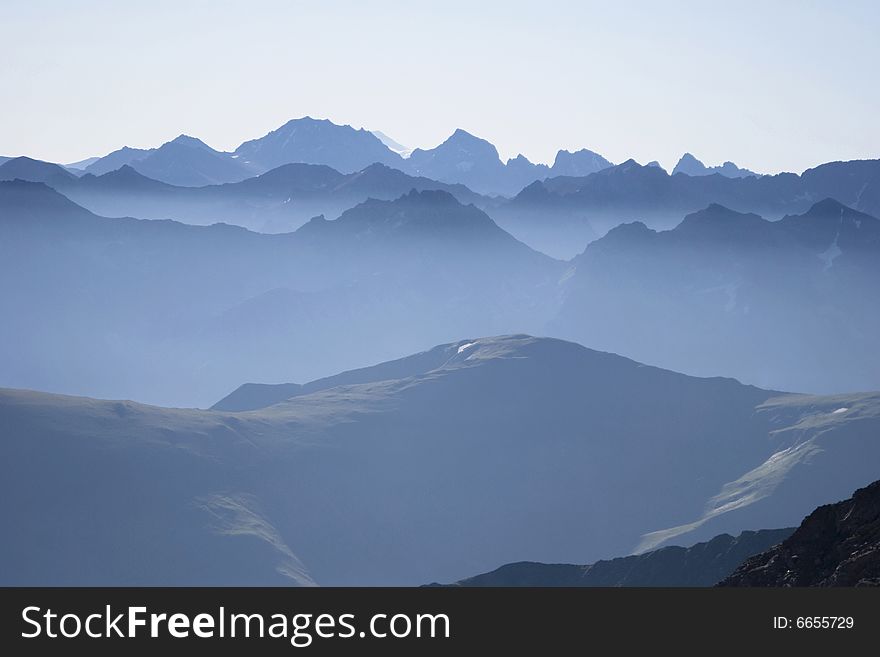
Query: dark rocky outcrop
x,y
836,545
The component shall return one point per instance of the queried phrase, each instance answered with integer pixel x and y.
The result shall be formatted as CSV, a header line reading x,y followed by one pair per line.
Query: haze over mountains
x,y
178,314
461,159
781,304
26,168
556,209
297,287
280,200
558,214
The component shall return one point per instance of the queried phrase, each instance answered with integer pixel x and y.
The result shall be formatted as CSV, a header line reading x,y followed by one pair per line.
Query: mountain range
x,y
184,161
280,200
559,214
702,564
187,161
691,166
26,168
461,159
177,314
780,304
475,162
477,452
775,303
555,209
314,141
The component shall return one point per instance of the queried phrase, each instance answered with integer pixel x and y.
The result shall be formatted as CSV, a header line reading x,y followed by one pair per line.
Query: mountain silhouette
x,y
280,200
183,161
724,291
186,161
472,161
25,168
691,166
315,141
116,159
461,159
702,564
560,215
579,163
173,313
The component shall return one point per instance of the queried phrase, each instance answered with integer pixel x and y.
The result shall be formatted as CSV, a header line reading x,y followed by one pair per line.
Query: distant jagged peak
x,y
625,235
430,214
23,199
115,159
630,228
689,165
717,214
317,141
688,162
717,222
298,170
413,205
130,149
831,211
464,140
23,161
310,120
831,228
433,196
192,142
27,168
519,159
460,134
125,171
630,166
124,176
534,191
23,188
827,205
578,163
312,124
581,152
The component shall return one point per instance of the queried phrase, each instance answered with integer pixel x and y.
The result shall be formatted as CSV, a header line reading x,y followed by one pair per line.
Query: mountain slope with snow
x,y
482,451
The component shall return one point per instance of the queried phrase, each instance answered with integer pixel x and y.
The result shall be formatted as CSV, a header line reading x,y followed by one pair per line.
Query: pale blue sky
x,y
773,85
